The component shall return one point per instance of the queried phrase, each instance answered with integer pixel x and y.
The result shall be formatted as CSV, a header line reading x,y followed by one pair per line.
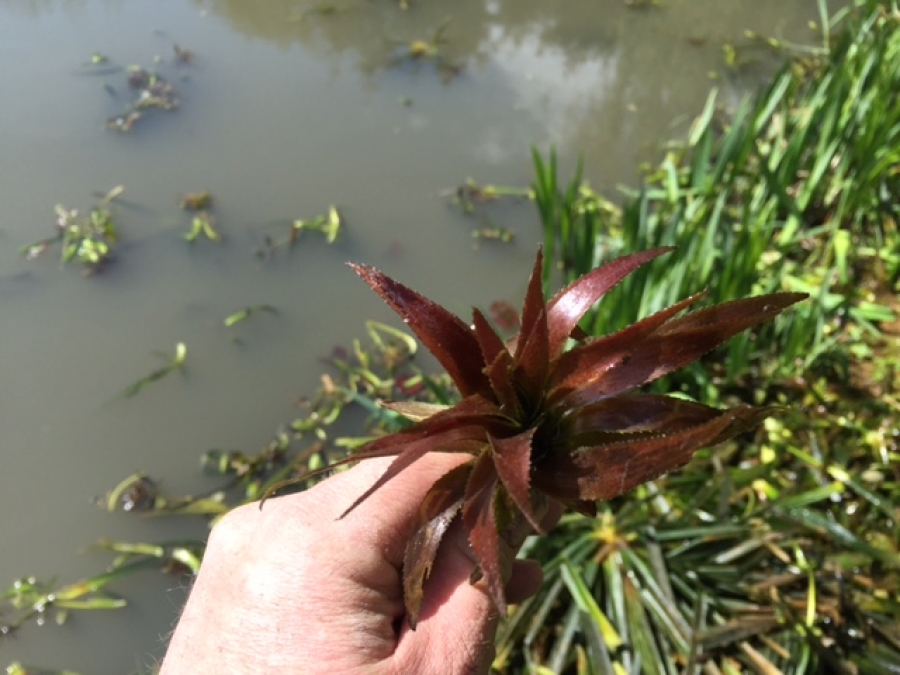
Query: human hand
x,y
293,589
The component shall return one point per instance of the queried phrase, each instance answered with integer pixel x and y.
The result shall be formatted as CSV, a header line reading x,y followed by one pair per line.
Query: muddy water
x,y
285,110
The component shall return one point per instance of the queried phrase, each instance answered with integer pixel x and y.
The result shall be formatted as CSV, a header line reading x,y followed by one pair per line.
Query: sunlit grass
x,y
794,190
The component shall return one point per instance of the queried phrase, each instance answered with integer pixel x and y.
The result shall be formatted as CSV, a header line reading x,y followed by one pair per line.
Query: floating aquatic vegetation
x,y
195,201
498,233
427,50
364,375
329,224
159,95
28,599
202,223
18,668
138,493
545,424
176,559
151,91
176,362
470,194
85,239
248,476
98,64
246,313
123,123
252,475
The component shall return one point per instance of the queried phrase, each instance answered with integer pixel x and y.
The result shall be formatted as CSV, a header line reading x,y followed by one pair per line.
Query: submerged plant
x,y
151,90
246,313
544,423
175,362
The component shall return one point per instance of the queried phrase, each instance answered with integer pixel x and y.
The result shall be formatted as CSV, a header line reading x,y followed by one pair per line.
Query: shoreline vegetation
x,y
774,553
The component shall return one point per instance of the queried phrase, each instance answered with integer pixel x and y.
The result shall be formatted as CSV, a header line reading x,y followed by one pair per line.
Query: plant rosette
x,y
544,421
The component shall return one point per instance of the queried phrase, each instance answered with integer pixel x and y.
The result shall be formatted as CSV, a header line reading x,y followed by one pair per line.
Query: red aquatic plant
x,y
543,422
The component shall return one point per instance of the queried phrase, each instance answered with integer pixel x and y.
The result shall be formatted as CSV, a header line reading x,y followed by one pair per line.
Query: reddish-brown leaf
x,y
500,375
443,333
436,512
471,411
588,362
415,411
490,343
680,342
541,424
532,367
533,306
480,521
512,459
631,416
609,470
468,440
567,307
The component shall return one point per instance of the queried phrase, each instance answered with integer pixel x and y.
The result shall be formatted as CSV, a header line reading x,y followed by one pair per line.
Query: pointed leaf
x,y
413,410
680,342
568,306
455,439
444,334
488,341
463,428
512,459
631,416
534,305
473,411
586,363
438,508
532,367
609,470
480,521
500,375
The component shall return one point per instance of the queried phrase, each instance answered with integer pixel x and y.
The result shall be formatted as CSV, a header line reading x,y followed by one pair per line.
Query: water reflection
x,y
602,76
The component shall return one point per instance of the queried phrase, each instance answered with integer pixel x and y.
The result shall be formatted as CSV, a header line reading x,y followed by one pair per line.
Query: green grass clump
x,y
779,553
795,190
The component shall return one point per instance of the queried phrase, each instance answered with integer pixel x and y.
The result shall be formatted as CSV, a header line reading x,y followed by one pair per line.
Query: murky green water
x,y
284,111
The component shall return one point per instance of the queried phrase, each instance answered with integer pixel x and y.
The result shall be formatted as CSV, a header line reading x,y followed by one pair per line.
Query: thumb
x,y
457,621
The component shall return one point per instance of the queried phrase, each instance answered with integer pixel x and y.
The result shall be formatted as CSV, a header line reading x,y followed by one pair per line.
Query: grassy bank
x,y
777,553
